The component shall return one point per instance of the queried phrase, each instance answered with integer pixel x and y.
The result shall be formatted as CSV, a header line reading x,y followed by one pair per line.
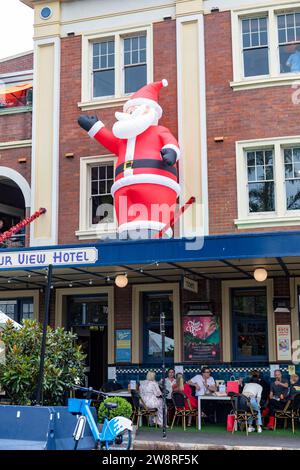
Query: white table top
x,y
119,393
213,397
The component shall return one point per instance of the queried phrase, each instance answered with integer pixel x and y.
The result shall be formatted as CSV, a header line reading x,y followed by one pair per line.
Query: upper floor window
x,y
114,65
268,182
120,65
260,181
102,178
135,63
289,42
255,46
104,68
15,96
96,212
266,46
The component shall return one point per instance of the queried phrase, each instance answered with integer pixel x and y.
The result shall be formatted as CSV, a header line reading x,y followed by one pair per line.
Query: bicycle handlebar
x,y
89,390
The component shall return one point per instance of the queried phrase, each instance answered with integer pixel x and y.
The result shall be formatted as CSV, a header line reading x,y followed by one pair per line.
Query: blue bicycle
x,y
116,434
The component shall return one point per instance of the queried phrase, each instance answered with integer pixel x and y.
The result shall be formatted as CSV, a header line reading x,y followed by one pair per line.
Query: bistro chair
x,y
179,400
111,387
242,410
140,409
291,411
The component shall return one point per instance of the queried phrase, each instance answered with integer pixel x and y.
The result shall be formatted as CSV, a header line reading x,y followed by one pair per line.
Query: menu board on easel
x,y
201,338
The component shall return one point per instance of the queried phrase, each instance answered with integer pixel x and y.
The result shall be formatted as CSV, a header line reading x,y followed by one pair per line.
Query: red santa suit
x,y
146,188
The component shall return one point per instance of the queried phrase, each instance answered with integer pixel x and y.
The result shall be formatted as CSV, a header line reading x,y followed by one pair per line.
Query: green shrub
x,y
124,408
64,363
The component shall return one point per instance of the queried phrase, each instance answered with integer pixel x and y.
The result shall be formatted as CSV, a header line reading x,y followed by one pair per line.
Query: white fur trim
x,y
139,101
96,128
145,225
144,179
173,147
165,82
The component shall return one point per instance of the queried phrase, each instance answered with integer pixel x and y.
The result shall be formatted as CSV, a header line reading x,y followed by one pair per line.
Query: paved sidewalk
x,y
178,440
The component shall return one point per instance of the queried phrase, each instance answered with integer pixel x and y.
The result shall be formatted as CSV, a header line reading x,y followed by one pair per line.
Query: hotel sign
x,y
43,258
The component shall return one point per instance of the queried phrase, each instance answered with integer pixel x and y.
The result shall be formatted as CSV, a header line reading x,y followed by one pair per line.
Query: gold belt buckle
x,y
128,164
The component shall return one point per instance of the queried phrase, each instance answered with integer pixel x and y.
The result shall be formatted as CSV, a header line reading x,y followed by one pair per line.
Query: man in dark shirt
x,y
278,396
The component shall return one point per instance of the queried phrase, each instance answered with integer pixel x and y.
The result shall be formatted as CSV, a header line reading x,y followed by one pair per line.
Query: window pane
x,y
288,156
95,173
256,62
281,21
251,174
251,158
246,26
264,39
104,83
269,157
103,62
255,40
102,172
127,44
111,47
263,24
289,59
142,42
261,197
110,171
291,35
254,25
260,172
103,48
293,194
259,158
296,154
102,187
269,173
135,78
96,63
100,215
246,40
96,49
127,60
289,171
135,57
282,36
110,61
290,20
95,189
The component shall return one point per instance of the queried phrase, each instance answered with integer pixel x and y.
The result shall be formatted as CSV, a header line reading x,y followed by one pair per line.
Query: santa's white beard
x,y
132,125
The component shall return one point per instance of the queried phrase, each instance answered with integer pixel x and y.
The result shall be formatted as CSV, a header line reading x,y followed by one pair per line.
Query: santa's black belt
x,y
145,163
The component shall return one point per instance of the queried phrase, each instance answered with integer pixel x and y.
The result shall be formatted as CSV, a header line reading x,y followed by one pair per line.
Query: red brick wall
x,y
18,126
74,139
236,115
18,64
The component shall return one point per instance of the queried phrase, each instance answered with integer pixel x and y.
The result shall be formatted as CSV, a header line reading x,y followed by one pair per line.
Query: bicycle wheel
x,y
121,442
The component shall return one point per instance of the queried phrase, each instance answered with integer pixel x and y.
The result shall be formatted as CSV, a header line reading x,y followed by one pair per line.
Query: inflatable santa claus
x,y
146,185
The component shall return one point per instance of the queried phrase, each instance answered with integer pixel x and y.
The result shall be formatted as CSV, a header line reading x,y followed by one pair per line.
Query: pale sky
x,y
16,28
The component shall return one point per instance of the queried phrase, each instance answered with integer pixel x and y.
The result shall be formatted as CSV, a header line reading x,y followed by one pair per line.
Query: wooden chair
x,y
291,411
242,410
140,409
180,400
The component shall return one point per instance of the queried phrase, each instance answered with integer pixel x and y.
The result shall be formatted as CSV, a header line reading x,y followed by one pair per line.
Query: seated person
x,y
278,396
294,386
190,402
151,395
253,391
169,382
265,387
204,383
293,61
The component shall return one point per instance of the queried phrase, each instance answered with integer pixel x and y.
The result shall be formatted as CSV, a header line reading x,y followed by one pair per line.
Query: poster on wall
x,y
283,342
123,345
201,338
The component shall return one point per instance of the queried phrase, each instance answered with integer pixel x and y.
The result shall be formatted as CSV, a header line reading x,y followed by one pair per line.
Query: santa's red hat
x,y
148,95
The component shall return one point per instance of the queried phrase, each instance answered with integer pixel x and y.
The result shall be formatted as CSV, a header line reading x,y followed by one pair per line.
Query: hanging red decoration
x,y
16,228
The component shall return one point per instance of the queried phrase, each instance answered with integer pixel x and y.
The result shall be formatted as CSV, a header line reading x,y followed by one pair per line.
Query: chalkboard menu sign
x,y
201,338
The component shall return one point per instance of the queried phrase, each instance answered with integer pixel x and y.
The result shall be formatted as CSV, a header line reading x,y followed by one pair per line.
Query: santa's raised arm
x,y
146,173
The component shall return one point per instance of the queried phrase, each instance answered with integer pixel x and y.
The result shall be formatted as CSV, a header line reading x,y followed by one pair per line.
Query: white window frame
x,y
281,216
87,230
274,78
87,101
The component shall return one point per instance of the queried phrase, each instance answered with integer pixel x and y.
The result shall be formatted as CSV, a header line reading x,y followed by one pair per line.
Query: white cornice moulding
x,y
15,144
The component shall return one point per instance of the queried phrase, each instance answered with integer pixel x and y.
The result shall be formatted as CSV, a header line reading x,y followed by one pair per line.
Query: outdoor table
x,y
208,397
119,393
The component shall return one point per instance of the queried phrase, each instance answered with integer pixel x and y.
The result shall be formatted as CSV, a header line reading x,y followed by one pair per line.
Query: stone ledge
x,y
158,445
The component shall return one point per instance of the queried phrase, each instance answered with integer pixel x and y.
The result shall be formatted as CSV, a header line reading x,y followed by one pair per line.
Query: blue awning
x,y
116,253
